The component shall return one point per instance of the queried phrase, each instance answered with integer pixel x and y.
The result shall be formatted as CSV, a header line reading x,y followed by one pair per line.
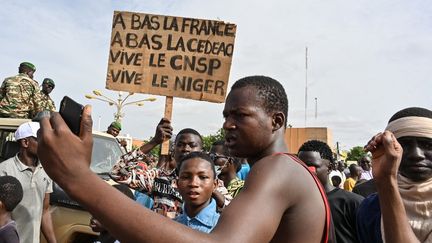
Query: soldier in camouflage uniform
x,y
47,87
20,95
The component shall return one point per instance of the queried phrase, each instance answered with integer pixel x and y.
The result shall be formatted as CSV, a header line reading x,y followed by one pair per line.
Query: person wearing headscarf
x,y
402,171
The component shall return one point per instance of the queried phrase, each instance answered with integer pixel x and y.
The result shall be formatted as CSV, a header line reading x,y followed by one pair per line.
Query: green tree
x,y
209,139
356,153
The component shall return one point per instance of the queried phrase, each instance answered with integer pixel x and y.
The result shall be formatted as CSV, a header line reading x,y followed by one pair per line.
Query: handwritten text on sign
x,y
170,56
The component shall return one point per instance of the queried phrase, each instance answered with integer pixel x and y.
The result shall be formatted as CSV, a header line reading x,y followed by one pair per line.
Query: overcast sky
x,y
367,59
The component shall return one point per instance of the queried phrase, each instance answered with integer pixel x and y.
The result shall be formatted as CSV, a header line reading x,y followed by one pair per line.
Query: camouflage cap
x,y
29,65
49,81
116,125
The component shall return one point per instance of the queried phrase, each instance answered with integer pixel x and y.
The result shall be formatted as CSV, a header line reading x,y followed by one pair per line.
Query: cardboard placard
x,y
170,56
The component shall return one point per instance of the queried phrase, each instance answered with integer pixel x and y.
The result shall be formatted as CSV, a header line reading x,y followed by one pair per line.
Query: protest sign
x,y
170,56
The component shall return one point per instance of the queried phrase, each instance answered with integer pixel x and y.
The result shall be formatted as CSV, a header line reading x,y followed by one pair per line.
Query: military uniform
x,y
47,102
20,97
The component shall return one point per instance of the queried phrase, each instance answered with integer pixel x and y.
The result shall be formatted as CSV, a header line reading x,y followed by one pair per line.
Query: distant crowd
x,y
246,188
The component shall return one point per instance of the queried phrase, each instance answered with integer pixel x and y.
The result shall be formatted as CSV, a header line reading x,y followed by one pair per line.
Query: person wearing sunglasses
x,y
226,168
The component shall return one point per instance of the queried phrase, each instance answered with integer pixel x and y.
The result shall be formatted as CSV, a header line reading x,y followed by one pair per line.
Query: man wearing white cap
x,y
32,213
402,171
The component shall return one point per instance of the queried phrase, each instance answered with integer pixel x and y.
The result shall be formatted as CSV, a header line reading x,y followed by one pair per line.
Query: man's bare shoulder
x,y
280,167
278,191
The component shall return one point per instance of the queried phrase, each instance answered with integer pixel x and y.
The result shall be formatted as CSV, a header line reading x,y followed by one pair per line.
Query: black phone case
x,y
71,111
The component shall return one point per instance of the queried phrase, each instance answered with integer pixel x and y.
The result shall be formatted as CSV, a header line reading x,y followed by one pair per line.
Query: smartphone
x,y
71,112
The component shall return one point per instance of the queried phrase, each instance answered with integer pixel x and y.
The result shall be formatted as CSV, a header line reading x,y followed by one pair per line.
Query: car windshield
x,y
106,151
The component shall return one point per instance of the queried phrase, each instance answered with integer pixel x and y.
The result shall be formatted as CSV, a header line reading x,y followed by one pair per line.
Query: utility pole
x,y
306,85
316,108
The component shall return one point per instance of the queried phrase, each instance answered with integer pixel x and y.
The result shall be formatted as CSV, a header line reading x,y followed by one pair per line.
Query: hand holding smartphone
x,y
71,112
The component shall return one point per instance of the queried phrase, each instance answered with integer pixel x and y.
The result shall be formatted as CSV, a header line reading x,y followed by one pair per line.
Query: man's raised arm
x,y
386,158
252,217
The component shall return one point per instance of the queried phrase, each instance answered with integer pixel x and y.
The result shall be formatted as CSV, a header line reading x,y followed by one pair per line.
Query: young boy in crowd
x,y
196,183
11,193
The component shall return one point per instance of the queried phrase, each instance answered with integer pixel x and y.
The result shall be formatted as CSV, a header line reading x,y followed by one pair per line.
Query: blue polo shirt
x,y
204,221
243,172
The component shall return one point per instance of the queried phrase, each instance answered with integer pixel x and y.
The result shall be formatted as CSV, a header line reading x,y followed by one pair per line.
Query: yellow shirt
x,y
349,184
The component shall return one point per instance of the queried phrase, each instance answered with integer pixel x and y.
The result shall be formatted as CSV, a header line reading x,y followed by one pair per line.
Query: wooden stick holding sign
x,y
168,115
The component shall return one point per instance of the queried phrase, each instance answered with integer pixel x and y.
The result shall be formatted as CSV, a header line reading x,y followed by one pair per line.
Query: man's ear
x,y
24,142
327,164
278,120
215,183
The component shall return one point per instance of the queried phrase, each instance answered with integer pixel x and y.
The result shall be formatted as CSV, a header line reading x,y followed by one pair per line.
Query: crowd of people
x,y
246,188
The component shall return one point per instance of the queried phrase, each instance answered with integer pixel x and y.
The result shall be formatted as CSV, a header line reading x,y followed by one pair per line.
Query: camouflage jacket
x,y
20,97
47,102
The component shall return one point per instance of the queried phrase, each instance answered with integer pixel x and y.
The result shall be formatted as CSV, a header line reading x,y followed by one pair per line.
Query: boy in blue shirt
x,y
196,182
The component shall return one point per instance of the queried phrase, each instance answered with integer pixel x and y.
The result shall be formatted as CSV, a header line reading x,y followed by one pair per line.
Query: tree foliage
x,y
209,139
356,153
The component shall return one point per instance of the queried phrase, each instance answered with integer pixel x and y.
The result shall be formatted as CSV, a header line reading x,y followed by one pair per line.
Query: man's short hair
x,y
318,146
11,192
411,111
336,180
236,161
353,169
188,131
221,143
269,90
197,154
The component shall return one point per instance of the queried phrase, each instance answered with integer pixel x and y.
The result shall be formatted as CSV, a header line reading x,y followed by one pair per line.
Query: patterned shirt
x,y
20,97
235,186
136,169
47,102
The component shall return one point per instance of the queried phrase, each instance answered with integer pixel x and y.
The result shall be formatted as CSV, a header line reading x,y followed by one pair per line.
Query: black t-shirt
x,y
366,188
343,205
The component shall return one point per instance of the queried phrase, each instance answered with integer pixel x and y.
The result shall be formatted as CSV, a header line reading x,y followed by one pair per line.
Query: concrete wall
x,y
295,137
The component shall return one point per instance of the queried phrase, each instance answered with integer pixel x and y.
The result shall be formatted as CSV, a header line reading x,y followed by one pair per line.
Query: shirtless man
x,y
281,201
